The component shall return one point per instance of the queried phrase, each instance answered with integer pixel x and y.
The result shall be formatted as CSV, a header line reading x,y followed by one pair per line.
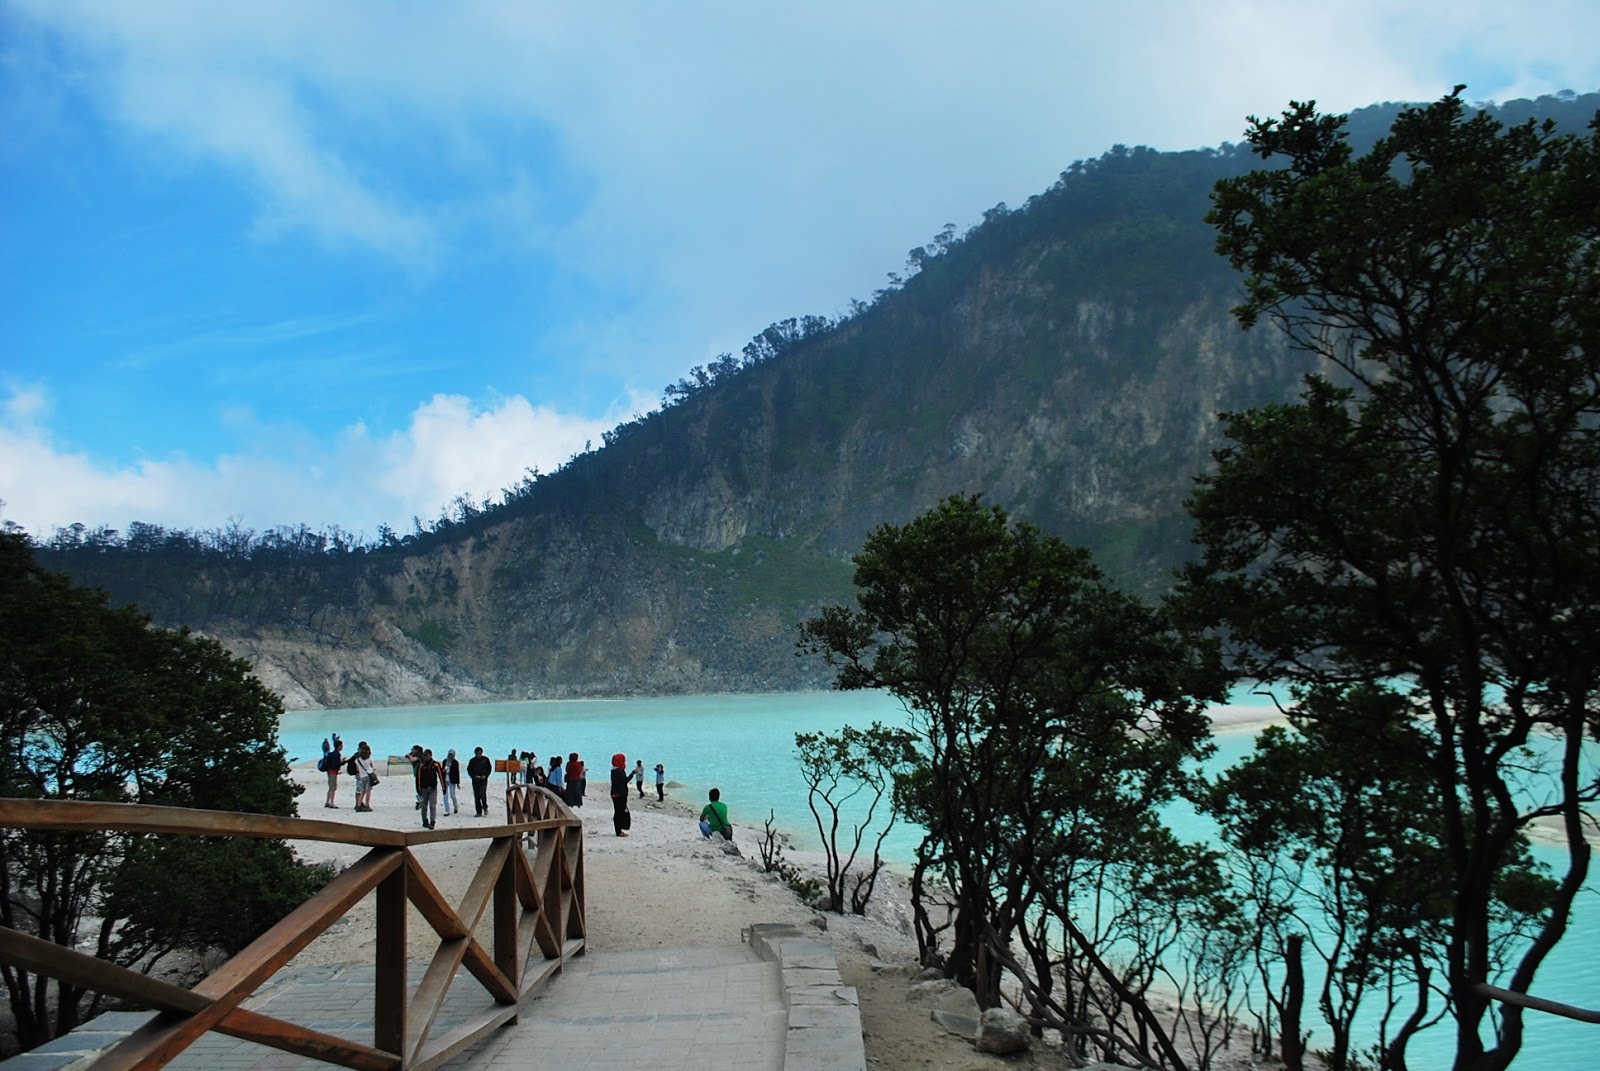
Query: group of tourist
x,y
433,780
661,780
359,764
713,817
568,778
438,781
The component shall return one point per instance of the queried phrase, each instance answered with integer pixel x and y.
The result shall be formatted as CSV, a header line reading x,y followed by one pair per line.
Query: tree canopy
x,y
1426,513
97,704
1054,715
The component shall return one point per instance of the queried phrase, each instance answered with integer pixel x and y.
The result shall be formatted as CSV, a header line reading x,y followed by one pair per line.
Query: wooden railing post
x,y
507,913
577,923
389,964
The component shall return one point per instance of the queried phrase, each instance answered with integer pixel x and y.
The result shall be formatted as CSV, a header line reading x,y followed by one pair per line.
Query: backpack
x,y
322,763
350,767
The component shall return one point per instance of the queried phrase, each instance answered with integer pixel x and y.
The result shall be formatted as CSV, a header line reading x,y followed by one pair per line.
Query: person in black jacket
x,y
620,818
478,770
414,757
430,775
332,764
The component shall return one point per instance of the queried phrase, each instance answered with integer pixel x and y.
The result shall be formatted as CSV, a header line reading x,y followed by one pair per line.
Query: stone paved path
x,y
664,1009
775,1003
693,1008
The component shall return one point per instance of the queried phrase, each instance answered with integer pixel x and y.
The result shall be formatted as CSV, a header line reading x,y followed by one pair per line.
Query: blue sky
x,y
338,263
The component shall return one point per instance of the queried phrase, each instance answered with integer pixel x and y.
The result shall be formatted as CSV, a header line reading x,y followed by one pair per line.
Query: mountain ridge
x,y
1066,359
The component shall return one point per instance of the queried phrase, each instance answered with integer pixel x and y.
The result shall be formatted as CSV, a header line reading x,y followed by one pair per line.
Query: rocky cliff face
x,y
1067,362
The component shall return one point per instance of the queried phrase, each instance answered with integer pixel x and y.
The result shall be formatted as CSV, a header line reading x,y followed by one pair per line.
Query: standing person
x,y
661,783
332,764
577,780
621,819
714,817
478,769
555,780
429,776
414,757
366,776
451,785
638,777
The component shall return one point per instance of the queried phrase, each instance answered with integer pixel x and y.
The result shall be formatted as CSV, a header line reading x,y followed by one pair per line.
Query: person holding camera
x,y
414,757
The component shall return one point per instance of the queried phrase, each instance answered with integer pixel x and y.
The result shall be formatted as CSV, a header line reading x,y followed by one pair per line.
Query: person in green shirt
x,y
714,818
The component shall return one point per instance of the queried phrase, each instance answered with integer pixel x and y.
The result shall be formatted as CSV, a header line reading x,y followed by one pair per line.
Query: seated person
x,y
714,817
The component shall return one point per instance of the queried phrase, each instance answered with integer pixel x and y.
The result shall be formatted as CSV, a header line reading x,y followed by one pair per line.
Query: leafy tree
x,y
95,704
1429,517
1050,710
1338,823
838,767
1138,913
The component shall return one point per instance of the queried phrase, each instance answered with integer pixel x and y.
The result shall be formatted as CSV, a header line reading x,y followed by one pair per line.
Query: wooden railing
x,y
530,883
1533,1003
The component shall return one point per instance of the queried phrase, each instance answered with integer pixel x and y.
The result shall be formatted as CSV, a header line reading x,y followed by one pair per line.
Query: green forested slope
x,y
1066,358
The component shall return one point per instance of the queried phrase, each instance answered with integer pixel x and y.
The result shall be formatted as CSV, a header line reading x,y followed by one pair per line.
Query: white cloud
x,y
357,482
453,448
44,487
706,167
714,139
242,88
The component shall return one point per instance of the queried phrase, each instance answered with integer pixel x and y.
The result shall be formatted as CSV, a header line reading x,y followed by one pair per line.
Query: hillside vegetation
x,y
1067,358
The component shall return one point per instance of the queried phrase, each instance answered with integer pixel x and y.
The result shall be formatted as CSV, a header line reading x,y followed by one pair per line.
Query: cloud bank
x,y
450,448
653,183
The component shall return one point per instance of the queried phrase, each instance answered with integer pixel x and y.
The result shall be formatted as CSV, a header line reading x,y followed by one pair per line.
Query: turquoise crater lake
x,y
744,745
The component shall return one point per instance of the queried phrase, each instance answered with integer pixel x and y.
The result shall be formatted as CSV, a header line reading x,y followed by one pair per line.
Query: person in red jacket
x,y
576,782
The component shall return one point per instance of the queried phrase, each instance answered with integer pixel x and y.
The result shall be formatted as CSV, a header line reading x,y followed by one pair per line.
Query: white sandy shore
x,y
1230,718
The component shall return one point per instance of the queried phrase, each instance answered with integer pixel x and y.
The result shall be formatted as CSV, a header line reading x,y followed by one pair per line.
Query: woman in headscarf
x,y
620,816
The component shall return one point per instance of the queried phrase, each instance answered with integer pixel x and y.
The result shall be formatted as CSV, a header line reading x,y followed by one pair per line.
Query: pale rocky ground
x,y
664,886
